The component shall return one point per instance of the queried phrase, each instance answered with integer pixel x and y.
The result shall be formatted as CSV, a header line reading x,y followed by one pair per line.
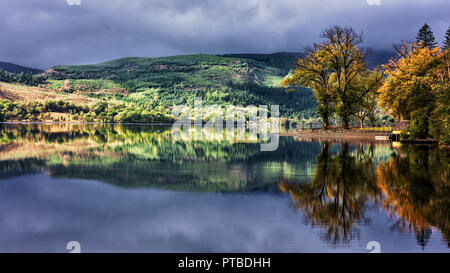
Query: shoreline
x,y
308,134
333,135
341,135
83,123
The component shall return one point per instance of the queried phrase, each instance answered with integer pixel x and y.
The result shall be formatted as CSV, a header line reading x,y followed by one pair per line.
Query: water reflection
x,y
416,186
337,196
334,185
147,156
412,186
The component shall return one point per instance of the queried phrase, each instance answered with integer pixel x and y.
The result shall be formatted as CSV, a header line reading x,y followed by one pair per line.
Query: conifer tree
x,y
447,39
426,36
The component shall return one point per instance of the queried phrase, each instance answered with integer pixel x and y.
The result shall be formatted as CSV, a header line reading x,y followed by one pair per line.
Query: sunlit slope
x,y
193,71
21,93
167,81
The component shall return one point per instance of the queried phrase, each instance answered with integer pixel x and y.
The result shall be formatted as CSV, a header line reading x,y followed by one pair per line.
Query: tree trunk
x,y
345,123
325,123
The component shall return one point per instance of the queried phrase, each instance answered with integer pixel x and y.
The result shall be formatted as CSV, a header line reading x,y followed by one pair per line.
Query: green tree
x,y
419,123
347,60
313,72
440,116
426,36
366,90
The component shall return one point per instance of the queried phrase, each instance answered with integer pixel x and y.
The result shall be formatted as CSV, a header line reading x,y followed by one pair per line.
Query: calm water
x,y
135,189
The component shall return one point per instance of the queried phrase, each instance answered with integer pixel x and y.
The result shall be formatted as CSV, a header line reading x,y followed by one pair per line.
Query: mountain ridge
x,y
15,68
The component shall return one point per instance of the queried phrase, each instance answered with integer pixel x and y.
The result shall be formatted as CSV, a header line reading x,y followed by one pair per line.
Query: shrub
x,y
419,124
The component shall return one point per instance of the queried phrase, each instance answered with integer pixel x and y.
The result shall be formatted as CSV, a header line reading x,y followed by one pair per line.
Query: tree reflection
x,y
336,197
416,186
413,187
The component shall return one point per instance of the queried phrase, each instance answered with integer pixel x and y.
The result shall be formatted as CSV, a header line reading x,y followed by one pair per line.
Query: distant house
x,y
398,128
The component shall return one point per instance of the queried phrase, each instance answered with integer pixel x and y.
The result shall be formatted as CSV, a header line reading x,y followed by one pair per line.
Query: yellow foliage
x,y
409,77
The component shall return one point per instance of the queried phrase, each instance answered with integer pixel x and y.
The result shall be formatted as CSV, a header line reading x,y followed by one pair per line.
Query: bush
x,y
419,124
99,107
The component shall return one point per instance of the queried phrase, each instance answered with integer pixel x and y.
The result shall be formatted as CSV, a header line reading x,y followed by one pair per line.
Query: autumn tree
x,y
313,72
347,60
426,36
410,90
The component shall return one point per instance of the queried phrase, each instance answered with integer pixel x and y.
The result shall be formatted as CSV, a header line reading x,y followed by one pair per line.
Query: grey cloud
x,y
49,32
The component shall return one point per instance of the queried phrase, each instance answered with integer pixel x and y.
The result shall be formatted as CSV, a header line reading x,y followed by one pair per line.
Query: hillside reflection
x,y
148,156
412,187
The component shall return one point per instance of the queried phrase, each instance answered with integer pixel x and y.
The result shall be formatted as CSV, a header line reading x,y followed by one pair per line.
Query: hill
x,y
14,68
241,79
194,71
281,60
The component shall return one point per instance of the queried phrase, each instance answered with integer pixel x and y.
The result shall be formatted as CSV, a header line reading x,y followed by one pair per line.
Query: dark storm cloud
x,y
49,32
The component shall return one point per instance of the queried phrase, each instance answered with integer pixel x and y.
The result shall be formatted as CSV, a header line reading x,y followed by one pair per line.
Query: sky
x,y
45,33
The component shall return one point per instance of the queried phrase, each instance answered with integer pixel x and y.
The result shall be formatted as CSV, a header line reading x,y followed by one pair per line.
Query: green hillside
x,y
146,89
160,83
193,71
282,60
